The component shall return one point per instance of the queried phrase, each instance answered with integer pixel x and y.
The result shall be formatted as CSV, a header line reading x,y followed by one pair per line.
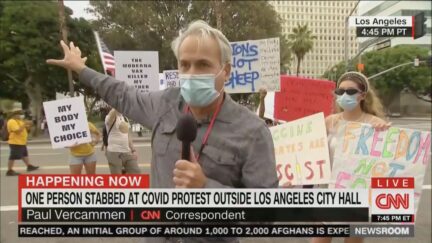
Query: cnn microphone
x,y
186,133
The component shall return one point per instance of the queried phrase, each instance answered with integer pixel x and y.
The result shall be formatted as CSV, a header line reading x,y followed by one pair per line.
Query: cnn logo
x,y
387,201
392,196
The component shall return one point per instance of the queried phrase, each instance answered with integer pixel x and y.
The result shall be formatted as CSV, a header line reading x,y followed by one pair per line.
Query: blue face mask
x,y
347,102
198,90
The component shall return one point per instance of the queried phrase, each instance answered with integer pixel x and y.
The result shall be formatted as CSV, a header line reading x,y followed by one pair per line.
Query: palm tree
x,y
301,41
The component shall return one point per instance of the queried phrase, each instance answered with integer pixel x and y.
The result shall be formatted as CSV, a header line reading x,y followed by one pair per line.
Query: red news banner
x,y
127,198
72,184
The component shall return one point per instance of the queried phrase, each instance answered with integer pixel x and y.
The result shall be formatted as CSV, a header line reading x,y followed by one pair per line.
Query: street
x,y
55,162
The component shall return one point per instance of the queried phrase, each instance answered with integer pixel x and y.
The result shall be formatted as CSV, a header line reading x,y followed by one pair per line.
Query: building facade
x,y
326,20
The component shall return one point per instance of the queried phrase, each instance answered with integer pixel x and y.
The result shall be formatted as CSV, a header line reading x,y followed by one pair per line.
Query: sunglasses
x,y
340,91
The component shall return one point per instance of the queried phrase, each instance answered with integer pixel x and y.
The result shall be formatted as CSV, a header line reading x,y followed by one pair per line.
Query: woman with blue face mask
x,y
357,102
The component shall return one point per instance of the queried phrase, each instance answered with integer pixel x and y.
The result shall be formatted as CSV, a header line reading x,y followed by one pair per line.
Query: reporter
x,y
234,147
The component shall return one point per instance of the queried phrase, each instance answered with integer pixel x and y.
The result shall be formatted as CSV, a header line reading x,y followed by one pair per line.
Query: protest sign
x,y
302,155
255,65
300,97
138,68
67,122
171,78
363,152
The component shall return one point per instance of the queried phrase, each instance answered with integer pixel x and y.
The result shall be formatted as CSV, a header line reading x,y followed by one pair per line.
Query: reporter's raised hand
x,y
72,58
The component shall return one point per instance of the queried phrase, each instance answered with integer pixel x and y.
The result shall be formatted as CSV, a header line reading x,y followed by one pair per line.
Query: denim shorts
x,y
78,160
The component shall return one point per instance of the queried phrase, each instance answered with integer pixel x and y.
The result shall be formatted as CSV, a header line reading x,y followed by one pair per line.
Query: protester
x,y
44,123
17,129
238,151
84,154
261,106
359,103
120,152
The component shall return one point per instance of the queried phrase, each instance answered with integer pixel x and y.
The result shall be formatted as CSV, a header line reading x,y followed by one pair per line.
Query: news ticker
x,y
128,198
382,26
255,230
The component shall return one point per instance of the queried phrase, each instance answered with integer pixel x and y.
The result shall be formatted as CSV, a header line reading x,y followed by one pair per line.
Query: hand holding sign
x,y
381,125
263,93
72,58
189,174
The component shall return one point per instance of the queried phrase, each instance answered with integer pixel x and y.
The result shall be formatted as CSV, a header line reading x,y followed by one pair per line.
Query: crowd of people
x,y
117,144
233,148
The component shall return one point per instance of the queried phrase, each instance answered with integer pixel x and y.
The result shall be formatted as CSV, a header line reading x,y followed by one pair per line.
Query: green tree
x,y
153,25
335,72
29,35
416,79
301,40
389,85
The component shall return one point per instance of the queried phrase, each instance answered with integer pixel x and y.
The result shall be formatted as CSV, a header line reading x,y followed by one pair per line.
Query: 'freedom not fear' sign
x,y
67,122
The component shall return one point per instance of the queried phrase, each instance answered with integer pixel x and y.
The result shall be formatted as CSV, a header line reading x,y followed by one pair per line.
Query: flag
x,y
106,57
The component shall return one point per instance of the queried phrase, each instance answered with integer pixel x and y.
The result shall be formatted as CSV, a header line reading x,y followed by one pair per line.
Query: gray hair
x,y
202,29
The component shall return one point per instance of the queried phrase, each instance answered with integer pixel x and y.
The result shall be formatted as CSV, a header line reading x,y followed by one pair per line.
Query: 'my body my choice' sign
x,y
67,122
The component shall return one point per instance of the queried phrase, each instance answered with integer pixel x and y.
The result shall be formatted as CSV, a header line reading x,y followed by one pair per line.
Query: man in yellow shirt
x,y
84,154
17,129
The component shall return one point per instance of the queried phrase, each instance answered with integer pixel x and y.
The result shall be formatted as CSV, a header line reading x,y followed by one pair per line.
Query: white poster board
x,y
302,154
138,68
255,64
67,122
363,152
171,78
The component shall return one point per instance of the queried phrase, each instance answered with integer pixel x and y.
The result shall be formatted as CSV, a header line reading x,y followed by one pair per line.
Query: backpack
x,y
4,132
105,133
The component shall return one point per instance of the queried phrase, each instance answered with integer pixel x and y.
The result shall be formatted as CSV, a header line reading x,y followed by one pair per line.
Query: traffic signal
x,y
419,25
360,67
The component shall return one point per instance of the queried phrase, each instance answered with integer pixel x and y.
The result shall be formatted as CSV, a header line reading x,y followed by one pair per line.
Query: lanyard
x,y
209,128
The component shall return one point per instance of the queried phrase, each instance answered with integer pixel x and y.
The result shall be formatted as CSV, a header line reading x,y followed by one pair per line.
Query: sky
x,y
78,8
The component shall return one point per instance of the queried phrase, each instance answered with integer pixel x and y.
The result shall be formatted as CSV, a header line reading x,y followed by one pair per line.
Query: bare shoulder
x,y
330,120
331,117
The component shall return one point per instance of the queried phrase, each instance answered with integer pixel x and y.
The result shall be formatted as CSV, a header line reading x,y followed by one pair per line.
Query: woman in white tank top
x,y
120,153
358,103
